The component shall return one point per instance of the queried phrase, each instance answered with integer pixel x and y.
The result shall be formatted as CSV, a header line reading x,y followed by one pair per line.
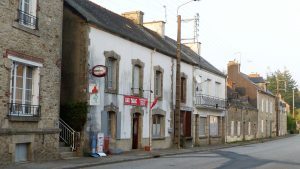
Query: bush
x,y
74,114
291,124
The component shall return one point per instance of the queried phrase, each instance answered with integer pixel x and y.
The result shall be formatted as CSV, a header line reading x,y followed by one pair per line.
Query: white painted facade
x,y
101,41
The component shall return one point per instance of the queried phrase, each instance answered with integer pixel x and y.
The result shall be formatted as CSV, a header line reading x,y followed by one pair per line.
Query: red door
x,y
135,131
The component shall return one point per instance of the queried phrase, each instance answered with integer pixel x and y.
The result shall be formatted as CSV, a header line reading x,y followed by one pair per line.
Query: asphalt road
x,y
278,154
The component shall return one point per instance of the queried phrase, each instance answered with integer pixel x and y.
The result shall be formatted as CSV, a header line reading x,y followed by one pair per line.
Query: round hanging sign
x,y
99,71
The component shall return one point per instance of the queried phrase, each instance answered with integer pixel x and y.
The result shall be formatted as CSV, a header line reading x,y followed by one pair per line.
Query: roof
x,y
121,26
257,79
268,92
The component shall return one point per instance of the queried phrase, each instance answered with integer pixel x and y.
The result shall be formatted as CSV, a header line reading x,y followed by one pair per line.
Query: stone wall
x,y
42,45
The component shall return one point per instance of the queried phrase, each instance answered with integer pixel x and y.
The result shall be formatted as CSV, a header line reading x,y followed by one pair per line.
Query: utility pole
x,y
177,130
293,103
178,85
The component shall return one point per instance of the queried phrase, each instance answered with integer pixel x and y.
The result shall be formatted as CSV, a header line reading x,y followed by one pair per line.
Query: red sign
x,y
135,101
99,71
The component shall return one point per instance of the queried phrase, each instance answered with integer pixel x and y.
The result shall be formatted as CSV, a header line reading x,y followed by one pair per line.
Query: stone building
x,y
31,35
283,110
255,88
241,117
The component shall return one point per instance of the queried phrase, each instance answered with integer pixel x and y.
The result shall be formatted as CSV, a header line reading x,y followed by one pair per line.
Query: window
x,y
202,126
271,107
262,126
267,106
136,79
158,83
208,87
249,128
24,90
111,126
232,128
183,89
262,105
198,85
112,60
238,128
213,126
157,126
27,13
217,89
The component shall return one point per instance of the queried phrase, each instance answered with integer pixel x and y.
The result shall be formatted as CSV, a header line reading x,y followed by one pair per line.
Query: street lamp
x,y
178,78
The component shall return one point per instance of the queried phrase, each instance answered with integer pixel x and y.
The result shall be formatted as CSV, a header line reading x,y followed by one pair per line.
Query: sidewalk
x,y
128,156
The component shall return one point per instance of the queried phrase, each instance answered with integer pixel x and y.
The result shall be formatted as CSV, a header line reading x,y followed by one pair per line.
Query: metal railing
x,y
68,135
27,19
15,109
210,101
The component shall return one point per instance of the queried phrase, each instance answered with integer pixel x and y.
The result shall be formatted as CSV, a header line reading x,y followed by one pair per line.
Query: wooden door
x,y
135,131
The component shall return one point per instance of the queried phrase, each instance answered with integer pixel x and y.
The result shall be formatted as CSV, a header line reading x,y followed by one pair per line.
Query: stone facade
x,y
40,45
258,96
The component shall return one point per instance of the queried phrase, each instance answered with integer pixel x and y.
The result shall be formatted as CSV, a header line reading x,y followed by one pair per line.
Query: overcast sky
x,y
263,34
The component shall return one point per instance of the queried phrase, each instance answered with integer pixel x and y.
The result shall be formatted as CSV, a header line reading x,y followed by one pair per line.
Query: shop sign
x,y
135,101
99,71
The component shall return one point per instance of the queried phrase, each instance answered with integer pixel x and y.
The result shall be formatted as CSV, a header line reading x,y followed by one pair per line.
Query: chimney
x,y
135,16
156,26
233,70
195,46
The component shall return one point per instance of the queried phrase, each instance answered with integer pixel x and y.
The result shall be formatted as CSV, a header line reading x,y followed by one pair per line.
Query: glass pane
x,y
19,94
136,79
28,83
28,96
20,69
29,72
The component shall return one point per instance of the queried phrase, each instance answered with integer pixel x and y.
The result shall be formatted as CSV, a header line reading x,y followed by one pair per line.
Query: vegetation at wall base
x,y
74,114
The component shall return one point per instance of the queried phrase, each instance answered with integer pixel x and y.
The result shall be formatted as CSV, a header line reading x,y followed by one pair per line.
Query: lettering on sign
x,y
135,101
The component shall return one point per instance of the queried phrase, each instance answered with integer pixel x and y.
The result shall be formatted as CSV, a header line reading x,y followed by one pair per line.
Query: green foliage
x,y
74,114
291,124
291,84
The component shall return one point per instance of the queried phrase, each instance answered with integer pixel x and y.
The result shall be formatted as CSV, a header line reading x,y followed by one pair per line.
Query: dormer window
x,y
27,13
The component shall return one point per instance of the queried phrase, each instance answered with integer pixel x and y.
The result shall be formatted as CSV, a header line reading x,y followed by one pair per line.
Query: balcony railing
x,y
210,102
15,109
27,19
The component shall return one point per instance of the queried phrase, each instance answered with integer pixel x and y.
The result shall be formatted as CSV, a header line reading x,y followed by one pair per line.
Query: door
x,y
21,152
135,131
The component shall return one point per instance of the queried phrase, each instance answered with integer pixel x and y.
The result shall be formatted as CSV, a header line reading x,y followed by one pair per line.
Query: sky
x,y
263,35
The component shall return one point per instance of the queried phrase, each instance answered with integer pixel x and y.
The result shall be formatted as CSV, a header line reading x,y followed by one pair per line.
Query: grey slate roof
x,y
257,79
257,87
125,28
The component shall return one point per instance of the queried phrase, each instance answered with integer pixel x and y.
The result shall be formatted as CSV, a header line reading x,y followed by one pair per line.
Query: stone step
x,y
65,149
67,155
62,144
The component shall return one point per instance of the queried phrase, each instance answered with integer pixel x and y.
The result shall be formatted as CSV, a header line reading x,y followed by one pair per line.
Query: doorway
x,y
135,130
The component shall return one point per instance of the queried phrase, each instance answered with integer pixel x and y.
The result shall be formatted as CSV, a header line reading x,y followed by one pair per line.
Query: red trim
x,y
23,56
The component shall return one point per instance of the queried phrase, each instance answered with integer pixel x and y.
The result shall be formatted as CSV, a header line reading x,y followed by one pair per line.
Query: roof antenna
x,y
165,13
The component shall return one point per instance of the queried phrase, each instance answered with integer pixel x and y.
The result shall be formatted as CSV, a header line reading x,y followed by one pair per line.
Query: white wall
x,y
101,41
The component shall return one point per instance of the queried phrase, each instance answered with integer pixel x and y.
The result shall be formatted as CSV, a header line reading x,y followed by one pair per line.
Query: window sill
x,y
202,137
23,118
187,138
17,25
111,91
215,136
158,138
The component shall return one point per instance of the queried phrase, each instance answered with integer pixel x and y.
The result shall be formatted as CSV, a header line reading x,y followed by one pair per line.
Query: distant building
x,y
241,118
283,108
254,87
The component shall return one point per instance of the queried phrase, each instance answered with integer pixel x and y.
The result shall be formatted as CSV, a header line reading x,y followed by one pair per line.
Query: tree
x,y
286,91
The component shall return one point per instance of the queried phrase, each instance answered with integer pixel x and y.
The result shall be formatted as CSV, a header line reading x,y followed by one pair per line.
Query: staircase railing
x,y
68,135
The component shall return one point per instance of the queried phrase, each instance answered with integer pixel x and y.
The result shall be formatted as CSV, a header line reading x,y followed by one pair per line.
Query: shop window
x,y
157,126
213,126
111,126
202,127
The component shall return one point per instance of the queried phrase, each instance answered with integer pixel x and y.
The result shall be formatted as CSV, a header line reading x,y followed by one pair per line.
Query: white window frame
x,y
136,79
32,8
232,128
202,125
157,126
158,83
262,126
35,82
262,105
238,128
249,128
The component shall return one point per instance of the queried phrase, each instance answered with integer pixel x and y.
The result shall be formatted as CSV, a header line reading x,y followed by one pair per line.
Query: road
x,y
278,154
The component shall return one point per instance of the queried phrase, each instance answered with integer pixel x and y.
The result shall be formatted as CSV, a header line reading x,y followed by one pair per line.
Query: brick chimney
x,y
135,16
156,26
233,70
